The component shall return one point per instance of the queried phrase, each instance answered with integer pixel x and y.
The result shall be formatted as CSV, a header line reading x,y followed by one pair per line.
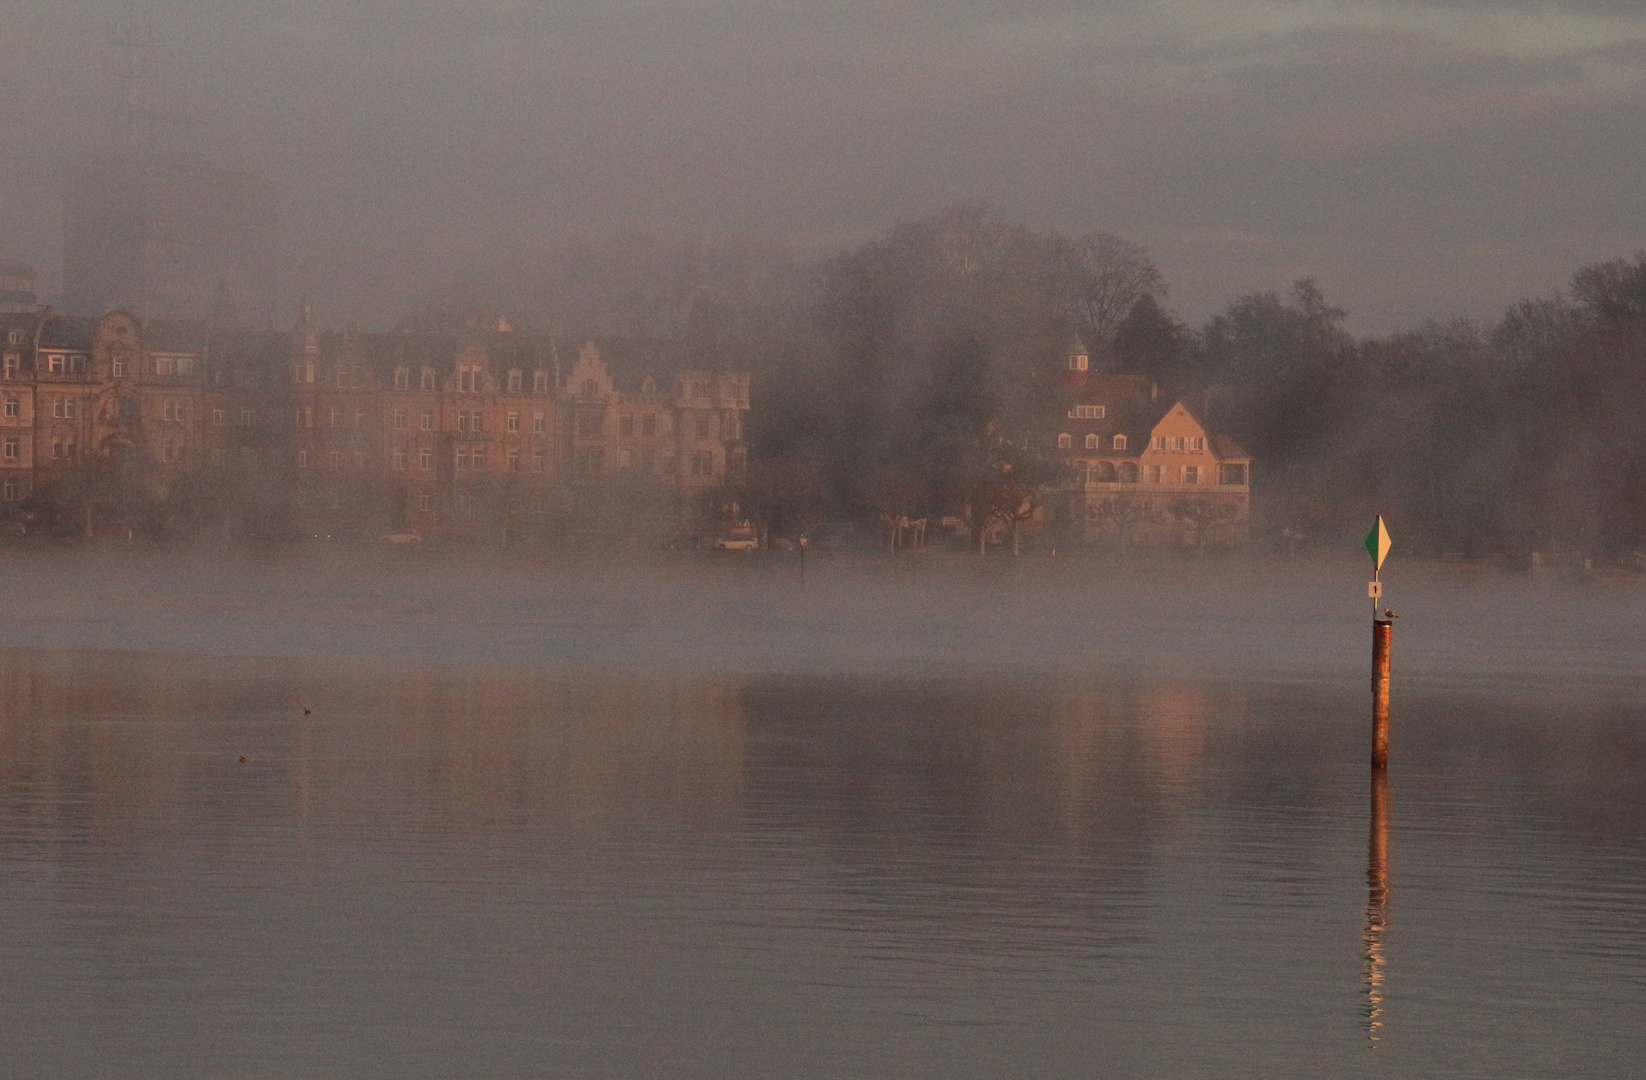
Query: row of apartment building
x,y
438,428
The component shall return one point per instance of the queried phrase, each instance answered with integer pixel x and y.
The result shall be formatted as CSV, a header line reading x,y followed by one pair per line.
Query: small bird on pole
x,y
1388,613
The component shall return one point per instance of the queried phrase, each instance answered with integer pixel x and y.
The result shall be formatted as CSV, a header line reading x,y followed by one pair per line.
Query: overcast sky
x,y
1422,158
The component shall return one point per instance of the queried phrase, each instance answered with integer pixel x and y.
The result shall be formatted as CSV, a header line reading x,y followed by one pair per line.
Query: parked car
x,y
736,543
403,536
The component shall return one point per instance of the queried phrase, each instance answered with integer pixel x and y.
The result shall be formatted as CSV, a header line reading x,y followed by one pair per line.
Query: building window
x,y
1231,474
219,417
1197,443
590,460
428,419
336,415
359,420
335,459
462,459
736,464
590,391
538,423
703,425
400,460
1120,442
479,461
1178,443
175,411
400,419
425,503
1191,474
425,459
514,382
648,425
514,421
1160,442
163,365
625,459
513,461
625,426
1153,474
428,378
1088,412
14,337
540,382
10,491
1077,362
703,463
12,406
12,361
13,449
302,459
700,389
1064,441
537,463
342,379
1092,442
118,369
402,379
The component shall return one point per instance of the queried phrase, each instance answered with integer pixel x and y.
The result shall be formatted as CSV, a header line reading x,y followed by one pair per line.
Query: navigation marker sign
x,y
1377,545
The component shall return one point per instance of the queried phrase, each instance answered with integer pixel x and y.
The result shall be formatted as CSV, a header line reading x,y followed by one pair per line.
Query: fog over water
x,y
326,812
1462,624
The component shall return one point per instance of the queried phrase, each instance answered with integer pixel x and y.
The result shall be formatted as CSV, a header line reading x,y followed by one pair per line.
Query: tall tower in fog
x,y
156,227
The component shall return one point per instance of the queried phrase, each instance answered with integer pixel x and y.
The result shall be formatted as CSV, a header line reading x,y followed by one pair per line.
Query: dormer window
x,y
1077,362
1120,442
1088,412
1064,441
514,382
402,379
540,382
1092,442
591,390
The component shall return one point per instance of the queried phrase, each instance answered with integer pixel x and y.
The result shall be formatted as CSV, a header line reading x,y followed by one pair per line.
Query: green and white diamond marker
x,y
1377,544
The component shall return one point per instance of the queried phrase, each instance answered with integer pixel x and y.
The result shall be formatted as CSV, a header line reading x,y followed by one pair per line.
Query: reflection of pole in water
x,y
1377,904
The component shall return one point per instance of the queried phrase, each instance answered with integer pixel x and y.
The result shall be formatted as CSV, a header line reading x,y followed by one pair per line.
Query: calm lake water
x,y
337,841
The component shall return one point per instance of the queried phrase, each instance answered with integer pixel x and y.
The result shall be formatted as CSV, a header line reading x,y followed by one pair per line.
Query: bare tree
x,y
1103,276
1124,516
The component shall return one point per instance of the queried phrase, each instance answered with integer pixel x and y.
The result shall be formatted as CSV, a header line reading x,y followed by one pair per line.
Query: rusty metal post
x,y
1377,905
1382,632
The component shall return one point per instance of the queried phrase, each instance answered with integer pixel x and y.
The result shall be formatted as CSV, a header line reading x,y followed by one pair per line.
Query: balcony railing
x,y
1145,488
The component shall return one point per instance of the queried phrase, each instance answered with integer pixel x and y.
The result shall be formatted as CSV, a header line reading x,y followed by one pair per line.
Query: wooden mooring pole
x,y
1382,633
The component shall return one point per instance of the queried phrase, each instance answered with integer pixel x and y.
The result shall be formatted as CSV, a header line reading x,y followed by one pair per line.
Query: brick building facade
x,y
470,429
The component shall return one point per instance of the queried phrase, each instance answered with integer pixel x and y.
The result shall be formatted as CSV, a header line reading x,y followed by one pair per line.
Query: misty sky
x,y
1420,157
